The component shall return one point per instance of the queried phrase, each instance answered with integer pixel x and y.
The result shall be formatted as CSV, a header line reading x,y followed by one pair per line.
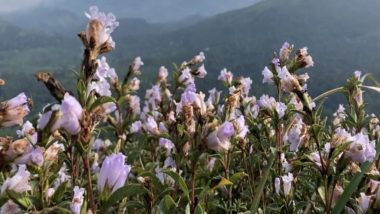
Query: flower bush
x,y
97,150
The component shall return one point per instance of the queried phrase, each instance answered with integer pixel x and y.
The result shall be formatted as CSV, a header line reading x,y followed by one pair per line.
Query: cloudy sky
x,y
151,10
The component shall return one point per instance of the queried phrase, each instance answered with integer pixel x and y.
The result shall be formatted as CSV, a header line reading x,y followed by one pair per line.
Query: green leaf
x,y
223,182
101,101
321,191
23,201
377,89
168,203
135,204
235,177
179,180
328,93
263,181
198,209
59,193
126,191
353,185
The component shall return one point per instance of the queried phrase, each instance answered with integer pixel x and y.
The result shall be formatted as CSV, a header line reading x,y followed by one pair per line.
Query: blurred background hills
x,y
342,36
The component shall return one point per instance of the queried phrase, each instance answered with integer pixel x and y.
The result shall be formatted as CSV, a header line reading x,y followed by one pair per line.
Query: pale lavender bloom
x,y
137,63
199,58
297,104
214,96
10,208
364,202
242,128
316,158
166,144
277,185
287,80
37,156
14,111
211,164
101,87
77,201
100,144
162,73
134,85
266,102
104,71
62,176
71,114
186,78
287,182
19,182
357,74
341,136
268,76
294,136
218,140
226,130
134,104
280,109
285,164
136,127
201,72
170,163
285,51
104,24
49,193
113,173
108,108
226,76
361,149
151,125
171,117
28,131
246,82
162,127
153,95
303,57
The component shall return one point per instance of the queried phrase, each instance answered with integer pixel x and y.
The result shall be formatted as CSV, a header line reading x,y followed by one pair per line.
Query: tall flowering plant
x,y
104,149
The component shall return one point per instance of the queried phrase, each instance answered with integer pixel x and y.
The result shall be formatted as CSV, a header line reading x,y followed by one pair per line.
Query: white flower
x,y
287,80
277,185
113,173
104,71
285,51
153,95
268,76
19,182
294,136
77,201
71,114
101,87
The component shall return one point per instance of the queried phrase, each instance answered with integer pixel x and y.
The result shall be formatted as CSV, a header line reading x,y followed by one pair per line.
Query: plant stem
x,y
89,184
193,205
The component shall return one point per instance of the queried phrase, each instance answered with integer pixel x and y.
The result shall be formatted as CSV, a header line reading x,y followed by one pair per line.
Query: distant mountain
x,y
342,36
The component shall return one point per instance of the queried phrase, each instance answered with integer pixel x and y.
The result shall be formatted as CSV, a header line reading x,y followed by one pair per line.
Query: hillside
x,y
242,40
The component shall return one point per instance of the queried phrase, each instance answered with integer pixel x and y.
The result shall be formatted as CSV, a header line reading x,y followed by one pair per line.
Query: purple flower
x,y
137,63
71,111
136,127
10,208
242,129
361,149
246,82
226,76
186,78
199,58
151,125
285,51
14,110
100,27
77,201
113,173
218,140
268,76
19,182
166,144
287,182
201,72
104,71
162,73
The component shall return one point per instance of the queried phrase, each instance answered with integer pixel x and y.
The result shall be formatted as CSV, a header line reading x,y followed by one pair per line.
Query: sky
x,y
150,10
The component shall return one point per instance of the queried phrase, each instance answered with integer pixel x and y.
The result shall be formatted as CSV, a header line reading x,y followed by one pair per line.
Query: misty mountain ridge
x,y
244,40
